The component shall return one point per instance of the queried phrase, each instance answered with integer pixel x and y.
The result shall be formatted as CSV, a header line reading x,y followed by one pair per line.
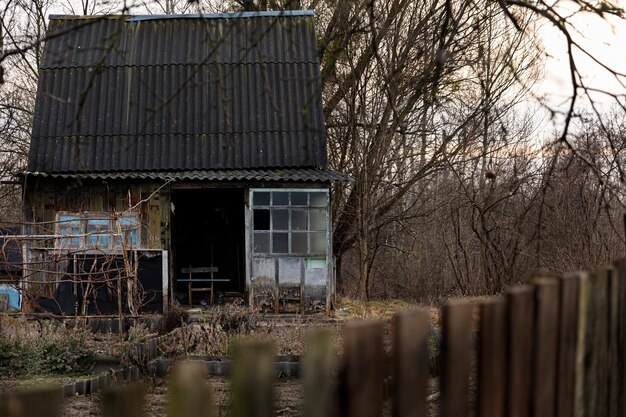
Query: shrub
x,y
47,351
175,317
236,318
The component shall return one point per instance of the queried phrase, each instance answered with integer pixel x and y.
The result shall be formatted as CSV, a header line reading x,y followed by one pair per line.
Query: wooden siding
x,y
45,197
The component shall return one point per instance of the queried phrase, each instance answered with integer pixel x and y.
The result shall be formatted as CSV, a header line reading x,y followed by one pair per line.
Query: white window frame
x,y
311,232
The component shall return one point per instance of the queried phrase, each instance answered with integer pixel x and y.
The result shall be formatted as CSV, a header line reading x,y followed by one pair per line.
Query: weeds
x,y
46,348
236,318
175,317
138,333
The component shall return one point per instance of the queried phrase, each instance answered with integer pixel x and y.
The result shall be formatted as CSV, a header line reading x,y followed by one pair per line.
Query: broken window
x,y
102,231
290,221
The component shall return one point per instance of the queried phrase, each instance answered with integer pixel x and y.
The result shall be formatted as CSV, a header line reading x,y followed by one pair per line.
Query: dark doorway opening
x,y
208,231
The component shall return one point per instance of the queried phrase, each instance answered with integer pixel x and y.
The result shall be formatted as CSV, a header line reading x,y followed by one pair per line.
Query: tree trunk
x,y
338,274
364,273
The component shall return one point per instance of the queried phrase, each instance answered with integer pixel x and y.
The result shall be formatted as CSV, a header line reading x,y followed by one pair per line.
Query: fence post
x,y
595,391
123,401
520,308
411,330
620,268
318,376
568,342
456,354
614,359
189,395
364,362
581,406
546,340
45,402
252,376
492,358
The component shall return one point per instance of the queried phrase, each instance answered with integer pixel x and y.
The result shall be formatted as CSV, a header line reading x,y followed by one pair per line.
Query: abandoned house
x,y
179,158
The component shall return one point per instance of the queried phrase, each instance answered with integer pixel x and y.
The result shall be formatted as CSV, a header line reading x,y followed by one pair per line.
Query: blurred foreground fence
x,y
553,348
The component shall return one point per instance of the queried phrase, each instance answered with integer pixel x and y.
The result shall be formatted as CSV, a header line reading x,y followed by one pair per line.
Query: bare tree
x,y
421,101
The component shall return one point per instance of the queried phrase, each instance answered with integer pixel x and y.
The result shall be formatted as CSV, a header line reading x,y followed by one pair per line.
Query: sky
x,y
605,39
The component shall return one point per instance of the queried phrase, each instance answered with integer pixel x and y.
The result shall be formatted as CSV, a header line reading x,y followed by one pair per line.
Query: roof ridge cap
x,y
200,16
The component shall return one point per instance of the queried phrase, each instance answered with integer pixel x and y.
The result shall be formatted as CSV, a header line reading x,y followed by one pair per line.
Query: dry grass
x,y
354,309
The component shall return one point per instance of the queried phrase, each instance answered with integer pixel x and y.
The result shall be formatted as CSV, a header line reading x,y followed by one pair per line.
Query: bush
x,y
175,317
46,351
236,318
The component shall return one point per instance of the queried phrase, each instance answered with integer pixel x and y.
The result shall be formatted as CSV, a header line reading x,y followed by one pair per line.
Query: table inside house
x,y
193,271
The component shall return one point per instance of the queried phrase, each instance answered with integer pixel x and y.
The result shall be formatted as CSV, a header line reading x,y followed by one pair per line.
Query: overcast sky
x,y
604,38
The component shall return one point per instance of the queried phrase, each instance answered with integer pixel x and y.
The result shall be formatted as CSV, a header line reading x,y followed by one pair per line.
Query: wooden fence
x,y
553,348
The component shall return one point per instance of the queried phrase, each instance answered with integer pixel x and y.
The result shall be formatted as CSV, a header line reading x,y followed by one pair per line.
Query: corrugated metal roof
x,y
282,175
117,94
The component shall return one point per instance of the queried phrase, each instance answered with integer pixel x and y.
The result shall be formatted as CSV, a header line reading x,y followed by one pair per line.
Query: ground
x,y
287,399
287,333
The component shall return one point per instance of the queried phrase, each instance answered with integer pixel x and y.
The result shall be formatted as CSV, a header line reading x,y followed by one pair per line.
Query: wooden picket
x,y
568,338
520,320
456,353
411,370
319,385
363,369
553,348
492,359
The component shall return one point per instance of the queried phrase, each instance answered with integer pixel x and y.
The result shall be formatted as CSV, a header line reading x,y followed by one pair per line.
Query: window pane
x,y
69,225
98,232
129,225
130,237
280,219
298,198
126,221
318,199
261,198
280,242
298,242
318,242
262,242
94,225
98,240
69,218
65,242
92,240
298,220
261,219
69,230
280,198
315,263
318,219
104,240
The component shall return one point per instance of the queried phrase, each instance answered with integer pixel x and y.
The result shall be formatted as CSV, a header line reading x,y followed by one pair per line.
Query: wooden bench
x,y
201,270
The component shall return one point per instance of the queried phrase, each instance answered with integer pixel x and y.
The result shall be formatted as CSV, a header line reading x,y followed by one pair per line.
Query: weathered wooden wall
x,y
44,197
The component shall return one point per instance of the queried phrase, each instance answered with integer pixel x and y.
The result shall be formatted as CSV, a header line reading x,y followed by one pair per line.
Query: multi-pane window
x,y
89,230
290,221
